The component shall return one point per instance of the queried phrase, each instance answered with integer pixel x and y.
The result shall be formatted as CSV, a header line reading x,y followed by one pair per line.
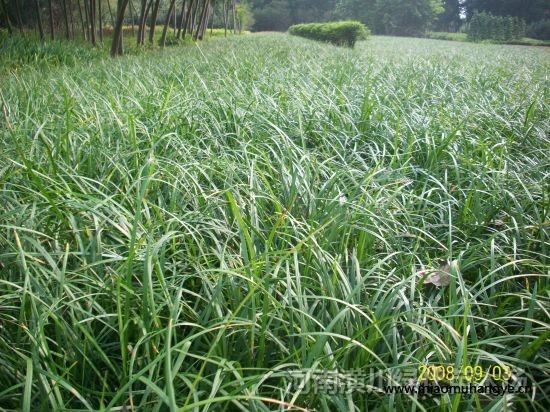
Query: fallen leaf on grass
x,y
440,277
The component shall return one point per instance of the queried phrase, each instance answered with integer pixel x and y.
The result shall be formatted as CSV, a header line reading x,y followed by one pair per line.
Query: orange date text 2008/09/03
x,y
467,373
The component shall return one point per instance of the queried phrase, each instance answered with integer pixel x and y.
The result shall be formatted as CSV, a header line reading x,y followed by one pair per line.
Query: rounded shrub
x,y
340,33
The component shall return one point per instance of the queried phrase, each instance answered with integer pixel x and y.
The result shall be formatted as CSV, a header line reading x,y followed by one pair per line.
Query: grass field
x,y
17,52
524,41
185,229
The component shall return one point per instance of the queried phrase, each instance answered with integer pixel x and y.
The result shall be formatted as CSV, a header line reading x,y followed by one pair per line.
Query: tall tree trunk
x,y
82,22
66,19
92,22
116,46
175,18
154,15
182,17
111,13
147,11
87,18
19,18
188,16
204,24
225,17
212,17
201,19
39,19
194,17
239,24
7,14
132,17
162,42
234,7
100,17
71,17
51,20
143,21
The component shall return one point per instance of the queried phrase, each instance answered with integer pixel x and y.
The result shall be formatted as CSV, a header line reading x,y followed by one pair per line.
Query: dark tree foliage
x,y
528,10
304,11
485,26
5,15
539,30
450,19
280,14
85,19
38,18
272,15
396,17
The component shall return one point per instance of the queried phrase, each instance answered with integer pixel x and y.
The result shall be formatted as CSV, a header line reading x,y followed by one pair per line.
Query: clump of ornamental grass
x,y
189,229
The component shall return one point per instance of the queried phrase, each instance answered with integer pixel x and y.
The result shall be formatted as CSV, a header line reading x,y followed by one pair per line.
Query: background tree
x,y
361,10
307,11
280,14
162,41
39,19
116,45
272,15
154,15
66,19
397,17
528,10
245,17
188,17
92,14
18,15
451,18
184,7
202,19
6,14
195,17
225,16
50,9
100,20
144,11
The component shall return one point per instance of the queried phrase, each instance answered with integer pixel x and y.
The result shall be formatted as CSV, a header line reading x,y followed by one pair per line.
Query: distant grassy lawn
x,y
442,35
187,228
524,41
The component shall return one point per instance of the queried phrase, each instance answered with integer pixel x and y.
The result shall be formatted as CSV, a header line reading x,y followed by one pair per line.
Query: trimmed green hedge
x,y
341,33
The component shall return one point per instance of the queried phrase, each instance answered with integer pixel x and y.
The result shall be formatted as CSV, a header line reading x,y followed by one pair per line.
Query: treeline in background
x,y
484,26
147,21
171,21
400,17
